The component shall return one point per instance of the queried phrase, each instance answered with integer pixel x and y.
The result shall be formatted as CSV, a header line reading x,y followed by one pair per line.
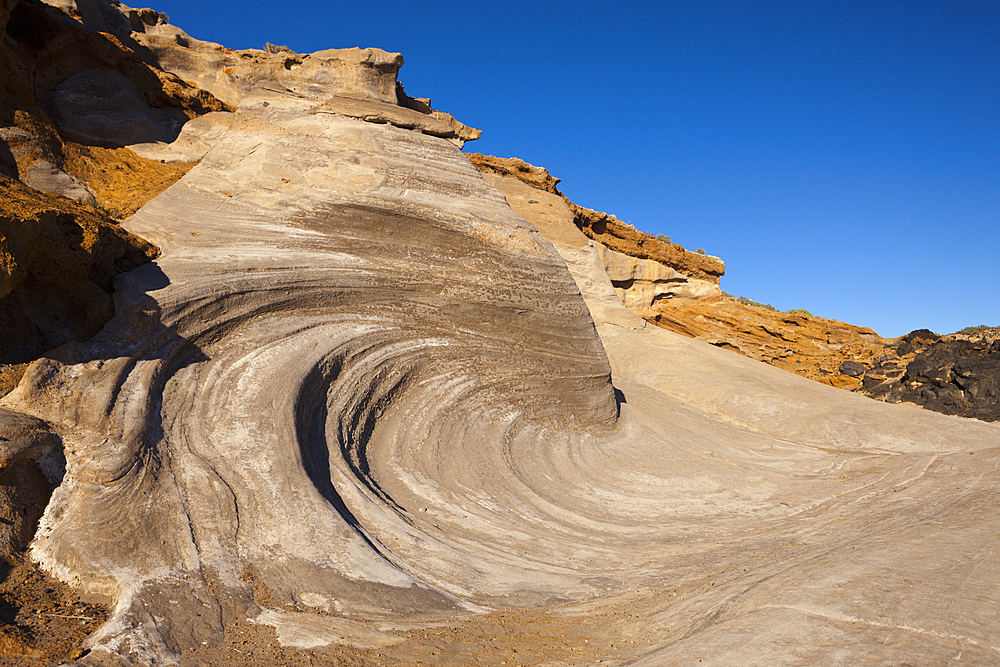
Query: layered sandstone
x,y
708,384
372,405
813,347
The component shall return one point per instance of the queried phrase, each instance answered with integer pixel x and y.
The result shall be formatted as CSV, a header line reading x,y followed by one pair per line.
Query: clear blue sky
x,y
842,157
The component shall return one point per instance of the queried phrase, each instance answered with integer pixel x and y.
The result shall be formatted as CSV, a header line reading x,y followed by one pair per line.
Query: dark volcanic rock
x,y
921,337
852,368
956,377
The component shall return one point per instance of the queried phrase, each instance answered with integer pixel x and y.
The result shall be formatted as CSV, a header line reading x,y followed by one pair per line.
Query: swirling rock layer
x,y
360,396
338,302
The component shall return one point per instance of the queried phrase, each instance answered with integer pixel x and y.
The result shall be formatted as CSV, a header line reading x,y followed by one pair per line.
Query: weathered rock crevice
x,y
58,260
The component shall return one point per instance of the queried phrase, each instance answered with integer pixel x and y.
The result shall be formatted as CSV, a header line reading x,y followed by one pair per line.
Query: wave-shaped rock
x,y
365,390
330,291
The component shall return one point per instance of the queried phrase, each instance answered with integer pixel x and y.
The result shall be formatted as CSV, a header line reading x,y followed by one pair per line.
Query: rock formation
x,y
813,347
58,259
606,229
371,404
678,290
57,263
952,375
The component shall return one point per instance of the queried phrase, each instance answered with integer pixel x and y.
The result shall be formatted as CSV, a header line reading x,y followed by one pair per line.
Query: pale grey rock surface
x,y
337,271
397,392
46,177
194,140
103,107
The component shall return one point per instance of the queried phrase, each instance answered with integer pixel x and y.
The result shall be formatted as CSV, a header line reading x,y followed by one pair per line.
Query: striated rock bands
x,y
407,304
371,405
734,411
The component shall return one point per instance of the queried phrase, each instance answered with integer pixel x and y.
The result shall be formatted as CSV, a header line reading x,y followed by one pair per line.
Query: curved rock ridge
x,y
332,294
367,391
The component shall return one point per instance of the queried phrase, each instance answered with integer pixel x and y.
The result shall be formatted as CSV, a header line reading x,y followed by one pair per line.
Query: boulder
x,y
103,107
920,337
642,282
852,368
196,137
46,177
30,467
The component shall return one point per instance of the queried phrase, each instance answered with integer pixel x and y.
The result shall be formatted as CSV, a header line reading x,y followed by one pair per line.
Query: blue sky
x,y
842,157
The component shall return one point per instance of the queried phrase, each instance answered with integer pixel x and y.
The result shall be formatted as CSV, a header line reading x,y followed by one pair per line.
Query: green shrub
x,y
968,331
278,48
701,251
663,237
800,311
749,302
93,203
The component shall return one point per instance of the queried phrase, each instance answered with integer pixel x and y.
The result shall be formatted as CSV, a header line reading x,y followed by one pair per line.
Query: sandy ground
x,y
509,638
42,621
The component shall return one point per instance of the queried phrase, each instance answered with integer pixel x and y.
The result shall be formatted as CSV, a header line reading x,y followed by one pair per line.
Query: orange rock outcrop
x,y
813,347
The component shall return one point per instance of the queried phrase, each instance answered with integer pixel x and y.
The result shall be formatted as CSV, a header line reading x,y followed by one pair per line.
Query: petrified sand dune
x,y
364,390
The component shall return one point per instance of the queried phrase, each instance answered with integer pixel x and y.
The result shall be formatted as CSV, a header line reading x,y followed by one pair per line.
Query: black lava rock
x,y
956,377
852,368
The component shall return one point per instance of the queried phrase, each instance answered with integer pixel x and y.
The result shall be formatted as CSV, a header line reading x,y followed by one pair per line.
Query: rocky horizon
x,y
333,391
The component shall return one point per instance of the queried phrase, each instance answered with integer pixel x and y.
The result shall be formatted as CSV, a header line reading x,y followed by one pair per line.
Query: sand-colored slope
x,y
371,399
800,524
